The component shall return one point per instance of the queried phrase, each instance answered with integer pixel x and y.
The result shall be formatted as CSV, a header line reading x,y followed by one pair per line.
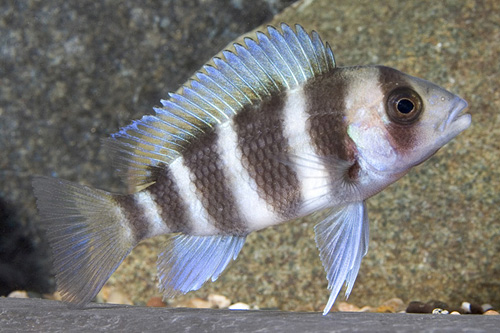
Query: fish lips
x,y
456,122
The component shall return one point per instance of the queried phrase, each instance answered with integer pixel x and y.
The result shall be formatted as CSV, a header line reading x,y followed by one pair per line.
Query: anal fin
x,y
189,261
342,240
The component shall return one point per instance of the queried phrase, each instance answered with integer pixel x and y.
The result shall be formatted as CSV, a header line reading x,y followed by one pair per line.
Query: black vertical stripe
x,y
404,137
264,148
325,103
326,106
203,159
135,216
165,193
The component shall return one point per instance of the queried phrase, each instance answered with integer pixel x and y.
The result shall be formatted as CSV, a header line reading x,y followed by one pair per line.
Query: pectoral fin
x,y
342,240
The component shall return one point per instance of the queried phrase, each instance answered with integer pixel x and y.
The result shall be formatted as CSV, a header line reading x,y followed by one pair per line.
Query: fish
x,y
267,133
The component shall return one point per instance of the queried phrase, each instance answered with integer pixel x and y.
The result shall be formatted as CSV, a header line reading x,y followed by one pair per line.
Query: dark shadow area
x,y
20,267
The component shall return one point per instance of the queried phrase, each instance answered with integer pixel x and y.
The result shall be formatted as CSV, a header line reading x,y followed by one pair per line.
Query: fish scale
x,y
276,182
210,180
166,195
271,132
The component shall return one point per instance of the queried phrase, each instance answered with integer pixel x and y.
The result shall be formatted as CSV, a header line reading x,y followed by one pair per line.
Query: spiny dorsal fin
x,y
276,61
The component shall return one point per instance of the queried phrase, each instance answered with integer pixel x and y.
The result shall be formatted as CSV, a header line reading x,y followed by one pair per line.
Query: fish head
x,y
402,120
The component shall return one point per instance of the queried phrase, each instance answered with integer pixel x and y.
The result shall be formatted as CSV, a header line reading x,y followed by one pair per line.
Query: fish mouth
x,y
457,121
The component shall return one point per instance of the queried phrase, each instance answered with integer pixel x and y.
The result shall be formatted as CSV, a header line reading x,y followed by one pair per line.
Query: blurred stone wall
x,y
71,73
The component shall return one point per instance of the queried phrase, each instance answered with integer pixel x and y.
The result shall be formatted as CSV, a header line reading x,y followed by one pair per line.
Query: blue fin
x,y
86,234
189,261
268,65
342,240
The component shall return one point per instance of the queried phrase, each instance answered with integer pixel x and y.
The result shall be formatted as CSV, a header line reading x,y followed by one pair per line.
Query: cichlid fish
x,y
272,132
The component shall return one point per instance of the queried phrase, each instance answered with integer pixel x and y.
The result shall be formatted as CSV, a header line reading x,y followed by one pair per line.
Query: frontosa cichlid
x,y
271,133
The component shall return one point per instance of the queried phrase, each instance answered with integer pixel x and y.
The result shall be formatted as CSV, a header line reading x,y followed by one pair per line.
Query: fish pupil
x,y
405,106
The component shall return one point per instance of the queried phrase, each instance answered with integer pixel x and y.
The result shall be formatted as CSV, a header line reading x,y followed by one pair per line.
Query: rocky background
x,y
72,73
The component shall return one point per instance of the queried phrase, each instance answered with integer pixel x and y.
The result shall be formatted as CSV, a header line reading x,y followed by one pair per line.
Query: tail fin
x,y
87,234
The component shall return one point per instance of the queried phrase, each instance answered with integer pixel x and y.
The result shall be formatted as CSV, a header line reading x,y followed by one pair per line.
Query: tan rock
x,y
346,307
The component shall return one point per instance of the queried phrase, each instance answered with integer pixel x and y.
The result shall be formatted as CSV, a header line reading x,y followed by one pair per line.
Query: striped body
x,y
274,161
271,133
242,176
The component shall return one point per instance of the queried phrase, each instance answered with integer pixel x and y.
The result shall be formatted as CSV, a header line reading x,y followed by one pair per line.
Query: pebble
x,y
472,308
113,296
440,311
486,307
419,307
392,305
346,307
219,301
156,302
239,306
18,294
491,313
437,307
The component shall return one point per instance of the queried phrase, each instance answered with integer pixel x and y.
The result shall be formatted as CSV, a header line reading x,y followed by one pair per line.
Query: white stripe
x,y
311,171
152,213
253,209
196,213
124,221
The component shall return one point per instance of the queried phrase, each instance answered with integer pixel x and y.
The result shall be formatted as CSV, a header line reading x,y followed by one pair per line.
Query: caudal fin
x,y
87,235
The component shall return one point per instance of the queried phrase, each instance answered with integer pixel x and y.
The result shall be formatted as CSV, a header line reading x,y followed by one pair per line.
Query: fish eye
x,y
404,106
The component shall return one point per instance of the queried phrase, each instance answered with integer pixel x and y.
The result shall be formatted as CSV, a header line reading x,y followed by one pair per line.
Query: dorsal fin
x,y
276,61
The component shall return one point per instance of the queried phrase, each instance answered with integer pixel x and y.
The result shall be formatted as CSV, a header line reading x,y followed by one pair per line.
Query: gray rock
x,y
36,315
